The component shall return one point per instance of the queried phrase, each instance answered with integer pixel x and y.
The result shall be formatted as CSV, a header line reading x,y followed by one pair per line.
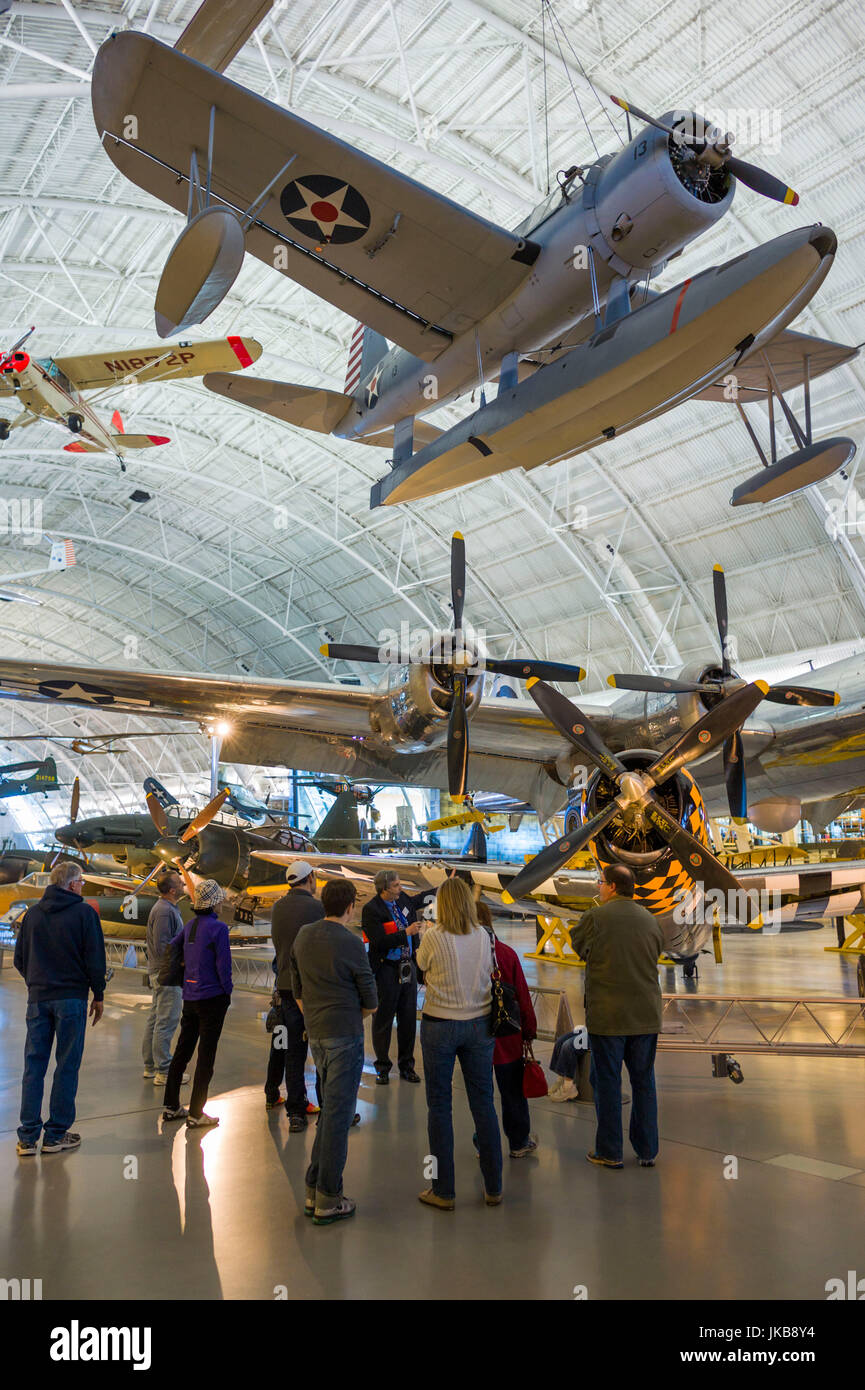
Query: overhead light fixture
x,y
222,728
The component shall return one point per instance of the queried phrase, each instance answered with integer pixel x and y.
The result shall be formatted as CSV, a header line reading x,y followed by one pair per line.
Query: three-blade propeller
x,y
711,147
636,798
717,689
453,666
171,848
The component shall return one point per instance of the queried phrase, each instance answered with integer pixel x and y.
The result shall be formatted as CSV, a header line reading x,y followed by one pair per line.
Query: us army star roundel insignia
x,y
325,208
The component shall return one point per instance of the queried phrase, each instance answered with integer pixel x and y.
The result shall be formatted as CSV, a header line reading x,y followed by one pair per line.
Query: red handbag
x,y
534,1080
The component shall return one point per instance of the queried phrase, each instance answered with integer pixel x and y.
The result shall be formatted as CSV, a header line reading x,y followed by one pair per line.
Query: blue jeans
x,y
288,1061
160,1027
339,1062
442,1041
638,1054
47,1019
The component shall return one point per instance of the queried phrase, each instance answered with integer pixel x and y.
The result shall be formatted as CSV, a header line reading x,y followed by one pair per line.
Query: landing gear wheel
x,y
734,1071
4,429
75,423
860,976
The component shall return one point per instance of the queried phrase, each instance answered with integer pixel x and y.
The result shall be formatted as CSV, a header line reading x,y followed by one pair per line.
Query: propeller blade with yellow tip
x,y
458,577
553,858
704,737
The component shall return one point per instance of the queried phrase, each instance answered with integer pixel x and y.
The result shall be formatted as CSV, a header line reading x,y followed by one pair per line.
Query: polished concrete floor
x,y
141,1213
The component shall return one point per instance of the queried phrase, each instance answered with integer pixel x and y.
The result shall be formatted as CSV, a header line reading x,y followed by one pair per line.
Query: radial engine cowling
x,y
663,884
221,852
412,714
652,198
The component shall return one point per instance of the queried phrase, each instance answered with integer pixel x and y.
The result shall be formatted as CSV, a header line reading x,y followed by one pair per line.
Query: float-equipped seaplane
x,y
51,388
559,310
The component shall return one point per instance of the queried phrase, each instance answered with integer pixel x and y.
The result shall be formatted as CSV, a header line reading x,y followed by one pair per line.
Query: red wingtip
x,y
238,347
159,439
117,422
74,449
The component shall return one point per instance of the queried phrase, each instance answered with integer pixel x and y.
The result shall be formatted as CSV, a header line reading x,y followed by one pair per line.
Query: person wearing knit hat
x,y
208,894
206,997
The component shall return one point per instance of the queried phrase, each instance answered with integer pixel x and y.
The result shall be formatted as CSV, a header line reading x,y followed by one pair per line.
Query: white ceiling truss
x,y
257,537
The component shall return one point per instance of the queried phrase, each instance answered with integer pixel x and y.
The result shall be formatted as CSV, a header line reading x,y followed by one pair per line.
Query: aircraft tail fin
x,y
366,348
339,832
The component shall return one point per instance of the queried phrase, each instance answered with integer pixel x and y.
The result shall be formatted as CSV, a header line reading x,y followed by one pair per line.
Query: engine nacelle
x,y
775,814
412,714
652,198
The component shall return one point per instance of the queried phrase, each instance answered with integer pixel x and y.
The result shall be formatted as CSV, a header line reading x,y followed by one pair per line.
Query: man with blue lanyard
x,y
390,926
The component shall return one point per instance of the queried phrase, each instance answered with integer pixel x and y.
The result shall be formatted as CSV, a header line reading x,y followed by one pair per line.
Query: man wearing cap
x,y
288,1044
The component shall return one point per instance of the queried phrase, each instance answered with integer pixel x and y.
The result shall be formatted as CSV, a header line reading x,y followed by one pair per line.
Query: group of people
x,y
328,981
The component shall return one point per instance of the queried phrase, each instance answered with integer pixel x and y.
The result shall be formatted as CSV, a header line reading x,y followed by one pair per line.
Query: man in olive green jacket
x,y
620,941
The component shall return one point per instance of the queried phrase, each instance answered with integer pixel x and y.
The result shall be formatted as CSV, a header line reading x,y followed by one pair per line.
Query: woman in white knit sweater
x,y
456,957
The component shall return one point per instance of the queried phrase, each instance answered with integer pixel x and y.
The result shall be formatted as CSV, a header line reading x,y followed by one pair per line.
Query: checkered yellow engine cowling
x,y
662,886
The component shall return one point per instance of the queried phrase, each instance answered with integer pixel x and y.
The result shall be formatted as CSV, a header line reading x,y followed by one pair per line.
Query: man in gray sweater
x,y
335,991
163,923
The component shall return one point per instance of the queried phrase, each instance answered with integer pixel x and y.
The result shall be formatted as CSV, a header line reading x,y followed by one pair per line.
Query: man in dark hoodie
x,y
60,951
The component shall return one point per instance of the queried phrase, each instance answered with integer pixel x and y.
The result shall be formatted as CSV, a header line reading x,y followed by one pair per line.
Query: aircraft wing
x,y
795,357
570,891
399,257
322,727
162,363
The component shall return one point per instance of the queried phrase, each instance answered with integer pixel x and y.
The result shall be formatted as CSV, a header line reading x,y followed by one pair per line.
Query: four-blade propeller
x,y
711,147
717,687
636,800
454,662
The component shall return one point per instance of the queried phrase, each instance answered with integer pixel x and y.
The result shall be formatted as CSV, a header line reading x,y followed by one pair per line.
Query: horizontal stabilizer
x,y
165,362
308,407
120,442
794,357
138,441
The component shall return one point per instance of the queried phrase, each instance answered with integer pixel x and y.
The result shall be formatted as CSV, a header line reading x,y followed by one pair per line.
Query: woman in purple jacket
x,y
206,997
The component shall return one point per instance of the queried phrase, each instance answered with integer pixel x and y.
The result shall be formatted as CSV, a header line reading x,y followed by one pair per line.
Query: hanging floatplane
x,y
559,310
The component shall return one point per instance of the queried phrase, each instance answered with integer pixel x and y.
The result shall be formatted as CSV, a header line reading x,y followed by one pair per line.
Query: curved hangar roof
x,y
252,539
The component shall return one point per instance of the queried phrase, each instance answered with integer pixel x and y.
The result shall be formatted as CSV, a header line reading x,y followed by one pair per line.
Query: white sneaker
x,y
567,1090
184,1080
159,1078
148,1073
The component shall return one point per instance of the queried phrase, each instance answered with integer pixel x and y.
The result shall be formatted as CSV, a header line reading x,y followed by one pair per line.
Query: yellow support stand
x,y
555,934
854,944
716,939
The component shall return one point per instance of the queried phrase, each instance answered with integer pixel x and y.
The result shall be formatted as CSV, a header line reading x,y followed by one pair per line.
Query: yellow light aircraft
x,y
51,388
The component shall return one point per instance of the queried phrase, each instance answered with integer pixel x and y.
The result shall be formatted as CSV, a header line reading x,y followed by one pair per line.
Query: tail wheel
x,y
75,423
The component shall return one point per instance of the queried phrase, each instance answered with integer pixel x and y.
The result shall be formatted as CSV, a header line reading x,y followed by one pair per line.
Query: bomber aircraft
x,y
662,757
559,310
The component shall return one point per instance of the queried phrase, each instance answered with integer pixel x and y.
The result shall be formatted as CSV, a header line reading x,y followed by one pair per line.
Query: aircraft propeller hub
x,y
633,787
